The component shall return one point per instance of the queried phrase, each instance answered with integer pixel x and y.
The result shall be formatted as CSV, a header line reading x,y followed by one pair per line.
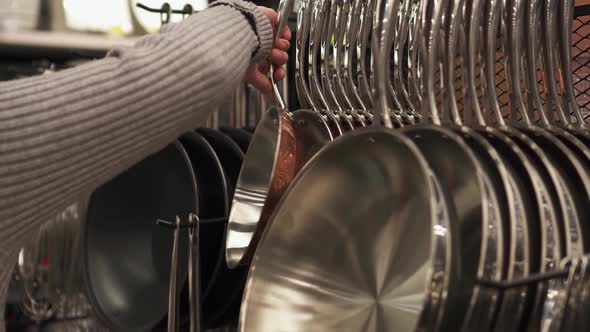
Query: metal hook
x,y
160,10
165,13
187,10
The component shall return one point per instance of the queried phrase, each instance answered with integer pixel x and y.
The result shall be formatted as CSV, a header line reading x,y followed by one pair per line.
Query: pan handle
x,y
284,10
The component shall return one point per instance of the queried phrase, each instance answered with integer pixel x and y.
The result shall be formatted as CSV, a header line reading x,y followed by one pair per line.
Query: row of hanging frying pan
x,y
418,228
382,229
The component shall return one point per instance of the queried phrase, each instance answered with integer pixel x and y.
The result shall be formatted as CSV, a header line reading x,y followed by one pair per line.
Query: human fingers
x,y
279,74
278,57
282,44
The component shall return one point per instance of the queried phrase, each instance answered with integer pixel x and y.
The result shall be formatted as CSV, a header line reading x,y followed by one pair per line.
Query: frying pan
x,y
242,137
221,299
213,200
574,159
229,153
316,267
512,312
472,194
574,148
126,256
549,213
281,145
511,211
315,264
567,164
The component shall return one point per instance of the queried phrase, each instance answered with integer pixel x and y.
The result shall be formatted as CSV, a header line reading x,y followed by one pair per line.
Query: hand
x,y
257,74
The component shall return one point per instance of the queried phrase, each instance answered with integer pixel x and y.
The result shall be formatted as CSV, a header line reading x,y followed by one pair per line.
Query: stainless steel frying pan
x,y
322,267
471,194
507,319
509,212
280,146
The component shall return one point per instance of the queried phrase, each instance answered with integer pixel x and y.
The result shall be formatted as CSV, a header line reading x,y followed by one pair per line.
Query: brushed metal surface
x,y
356,244
253,186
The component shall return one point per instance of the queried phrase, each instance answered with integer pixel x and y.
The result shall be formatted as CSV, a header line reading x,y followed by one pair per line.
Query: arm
x,y
64,134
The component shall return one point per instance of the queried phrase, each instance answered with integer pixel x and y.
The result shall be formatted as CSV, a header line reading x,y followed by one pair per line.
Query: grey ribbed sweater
x,y
64,134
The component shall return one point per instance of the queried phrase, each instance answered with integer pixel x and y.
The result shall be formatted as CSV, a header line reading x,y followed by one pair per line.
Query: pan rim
x,y
444,256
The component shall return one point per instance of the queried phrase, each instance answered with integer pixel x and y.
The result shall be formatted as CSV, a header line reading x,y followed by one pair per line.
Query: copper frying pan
x,y
280,146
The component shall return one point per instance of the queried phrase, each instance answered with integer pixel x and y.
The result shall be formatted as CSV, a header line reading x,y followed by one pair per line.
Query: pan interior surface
x,y
126,256
312,134
350,245
253,187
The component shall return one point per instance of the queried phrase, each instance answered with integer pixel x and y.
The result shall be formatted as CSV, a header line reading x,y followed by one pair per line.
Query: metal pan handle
x,y
382,29
284,10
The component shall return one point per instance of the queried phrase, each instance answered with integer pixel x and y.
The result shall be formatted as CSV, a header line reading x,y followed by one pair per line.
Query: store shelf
x,y
63,45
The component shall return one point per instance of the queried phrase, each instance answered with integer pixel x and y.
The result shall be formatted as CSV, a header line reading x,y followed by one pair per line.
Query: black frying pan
x,y
242,137
126,256
214,204
229,153
221,302
250,129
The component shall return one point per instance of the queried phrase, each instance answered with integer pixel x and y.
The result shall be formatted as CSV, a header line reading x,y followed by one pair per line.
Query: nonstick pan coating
x,y
213,203
242,137
126,256
229,153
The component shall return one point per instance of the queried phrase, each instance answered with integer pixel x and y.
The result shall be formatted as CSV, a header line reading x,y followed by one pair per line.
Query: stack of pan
x,y
127,256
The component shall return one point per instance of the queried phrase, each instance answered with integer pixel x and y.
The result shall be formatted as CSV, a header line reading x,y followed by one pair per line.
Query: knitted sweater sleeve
x,y
64,134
